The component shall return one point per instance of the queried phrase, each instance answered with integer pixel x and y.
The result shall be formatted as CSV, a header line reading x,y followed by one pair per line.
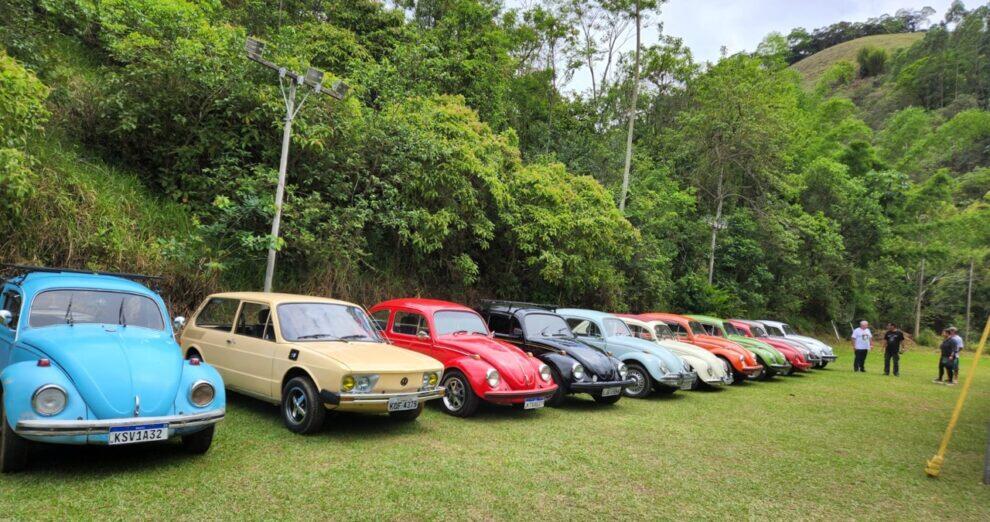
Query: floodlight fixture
x,y
339,90
255,48
314,78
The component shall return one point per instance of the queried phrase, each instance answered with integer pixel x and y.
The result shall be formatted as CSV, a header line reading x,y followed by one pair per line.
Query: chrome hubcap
x,y
295,406
639,382
454,397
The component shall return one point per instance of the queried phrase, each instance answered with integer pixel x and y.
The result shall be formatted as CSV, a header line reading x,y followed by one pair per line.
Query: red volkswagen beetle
x,y
794,356
476,366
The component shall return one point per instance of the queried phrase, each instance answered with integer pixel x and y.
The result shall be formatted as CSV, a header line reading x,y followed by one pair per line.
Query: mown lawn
x,y
829,445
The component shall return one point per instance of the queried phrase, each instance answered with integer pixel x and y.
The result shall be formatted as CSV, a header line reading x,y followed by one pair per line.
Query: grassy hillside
x,y
812,67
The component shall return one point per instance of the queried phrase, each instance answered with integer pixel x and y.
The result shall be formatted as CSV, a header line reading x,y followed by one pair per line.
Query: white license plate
x,y
609,392
533,403
402,403
137,434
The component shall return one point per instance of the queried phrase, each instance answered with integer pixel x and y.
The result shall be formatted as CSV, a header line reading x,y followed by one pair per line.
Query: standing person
x,y
862,341
946,361
954,335
893,338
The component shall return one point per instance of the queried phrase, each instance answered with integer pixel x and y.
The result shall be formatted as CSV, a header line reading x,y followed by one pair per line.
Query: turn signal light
x,y
44,363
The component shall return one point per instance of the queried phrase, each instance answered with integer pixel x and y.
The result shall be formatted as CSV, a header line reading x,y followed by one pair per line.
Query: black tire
x,y
765,372
406,415
737,376
823,365
643,385
612,399
558,396
13,448
459,399
199,443
302,409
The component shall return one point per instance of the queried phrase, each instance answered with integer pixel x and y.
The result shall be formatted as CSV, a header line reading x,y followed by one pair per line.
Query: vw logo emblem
x,y
404,381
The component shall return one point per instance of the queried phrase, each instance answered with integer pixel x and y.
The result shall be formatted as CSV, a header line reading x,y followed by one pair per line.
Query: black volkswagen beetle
x,y
576,367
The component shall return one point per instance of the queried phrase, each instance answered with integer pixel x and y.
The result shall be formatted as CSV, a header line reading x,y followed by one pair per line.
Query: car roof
x,y
590,314
705,318
663,316
775,324
35,282
631,319
427,306
277,298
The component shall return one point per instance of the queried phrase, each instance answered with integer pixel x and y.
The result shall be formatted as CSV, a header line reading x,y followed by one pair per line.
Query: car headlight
x,y
430,379
688,368
364,383
663,367
545,373
742,359
201,394
492,377
623,370
347,384
577,371
49,400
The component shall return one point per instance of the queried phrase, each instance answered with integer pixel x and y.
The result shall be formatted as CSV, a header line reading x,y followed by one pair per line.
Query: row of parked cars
x,y
91,358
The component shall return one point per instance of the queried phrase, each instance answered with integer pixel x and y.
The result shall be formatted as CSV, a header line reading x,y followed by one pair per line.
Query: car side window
x,y
255,320
218,314
678,330
499,323
639,331
584,328
12,303
381,319
409,323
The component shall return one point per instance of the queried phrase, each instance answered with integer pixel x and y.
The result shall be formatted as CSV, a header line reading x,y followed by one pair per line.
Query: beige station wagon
x,y
311,355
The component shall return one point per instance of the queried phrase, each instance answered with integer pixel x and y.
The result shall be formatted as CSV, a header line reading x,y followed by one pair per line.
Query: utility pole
x,y
969,305
313,78
921,296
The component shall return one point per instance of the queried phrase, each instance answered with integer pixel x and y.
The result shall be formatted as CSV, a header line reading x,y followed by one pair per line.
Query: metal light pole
x,y
313,78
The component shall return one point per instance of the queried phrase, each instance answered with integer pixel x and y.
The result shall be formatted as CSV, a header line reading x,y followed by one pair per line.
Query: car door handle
x,y
231,341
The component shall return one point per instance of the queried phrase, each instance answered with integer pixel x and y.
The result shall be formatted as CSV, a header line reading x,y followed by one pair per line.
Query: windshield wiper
x,y
120,314
68,312
355,336
328,337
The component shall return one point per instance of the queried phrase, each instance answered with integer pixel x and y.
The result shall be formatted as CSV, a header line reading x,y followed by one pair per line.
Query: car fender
x,y
561,362
646,360
21,380
475,369
192,374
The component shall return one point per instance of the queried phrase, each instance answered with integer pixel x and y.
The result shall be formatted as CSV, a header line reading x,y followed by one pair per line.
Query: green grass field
x,y
812,67
827,445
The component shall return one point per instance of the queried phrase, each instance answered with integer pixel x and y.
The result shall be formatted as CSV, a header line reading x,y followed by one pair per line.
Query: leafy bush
x,y
22,103
840,74
872,61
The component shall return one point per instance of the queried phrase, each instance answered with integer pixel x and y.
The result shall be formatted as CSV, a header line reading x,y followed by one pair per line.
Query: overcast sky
x,y
707,25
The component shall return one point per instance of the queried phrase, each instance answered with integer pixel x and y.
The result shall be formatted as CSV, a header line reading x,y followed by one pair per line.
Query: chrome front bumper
x,y
683,380
330,397
829,358
58,428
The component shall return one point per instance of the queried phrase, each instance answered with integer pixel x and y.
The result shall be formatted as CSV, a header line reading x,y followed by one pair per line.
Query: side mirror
x,y
422,335
178,322
6,317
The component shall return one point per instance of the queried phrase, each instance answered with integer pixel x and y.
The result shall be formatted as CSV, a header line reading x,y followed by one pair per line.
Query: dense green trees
x,y
462,165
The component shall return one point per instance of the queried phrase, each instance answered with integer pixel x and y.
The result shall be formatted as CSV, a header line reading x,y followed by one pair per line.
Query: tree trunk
x,y
917,302
632,117
715,226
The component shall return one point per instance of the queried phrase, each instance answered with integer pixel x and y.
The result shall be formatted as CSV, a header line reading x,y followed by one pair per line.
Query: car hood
x,y
514,365
368,357
759,346
669,358
593,359
811,341
118,370
689,350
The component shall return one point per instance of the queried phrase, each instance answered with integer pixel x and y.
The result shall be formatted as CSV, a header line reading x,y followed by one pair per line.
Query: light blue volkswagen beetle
x,y
90,358
651,366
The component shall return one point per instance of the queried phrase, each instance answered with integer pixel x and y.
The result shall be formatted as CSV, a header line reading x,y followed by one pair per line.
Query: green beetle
x,y
772,360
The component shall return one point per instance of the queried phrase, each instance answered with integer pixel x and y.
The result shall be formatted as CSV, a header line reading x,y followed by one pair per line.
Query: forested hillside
x,y
464,163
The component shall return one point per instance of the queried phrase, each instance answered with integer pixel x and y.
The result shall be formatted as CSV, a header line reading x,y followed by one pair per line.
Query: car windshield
x,y
788,330
547,325
698,329
663,332
325,322
758,331
55,307
731,329
615,327
773,330
458,321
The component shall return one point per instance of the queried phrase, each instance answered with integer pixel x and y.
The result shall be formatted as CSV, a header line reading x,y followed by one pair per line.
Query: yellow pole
x,y
934,466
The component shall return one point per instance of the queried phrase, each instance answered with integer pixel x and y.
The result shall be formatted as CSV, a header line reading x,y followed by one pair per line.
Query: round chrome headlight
x,y
742,359
49,400
492,377
623,370
201,394
577,371
545,373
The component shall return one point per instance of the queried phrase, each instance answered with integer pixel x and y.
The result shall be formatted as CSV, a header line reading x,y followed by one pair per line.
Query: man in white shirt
x,y
862,341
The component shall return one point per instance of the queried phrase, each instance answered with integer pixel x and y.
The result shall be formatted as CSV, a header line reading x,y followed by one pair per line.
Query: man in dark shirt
x,y
893,338
946,363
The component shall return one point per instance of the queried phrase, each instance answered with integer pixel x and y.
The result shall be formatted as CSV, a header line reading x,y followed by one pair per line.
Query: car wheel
x,y
199,443
13,448
406,415
561,391
612,399
823,365
302,409
642,382
737,376
459,399
194,353
765,372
